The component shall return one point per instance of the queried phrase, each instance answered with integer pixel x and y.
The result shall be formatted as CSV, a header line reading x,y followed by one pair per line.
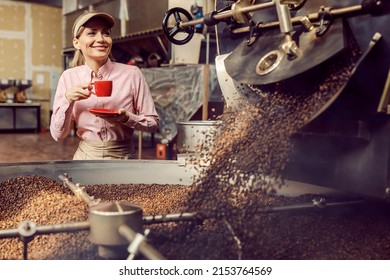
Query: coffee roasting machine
x,y
342,145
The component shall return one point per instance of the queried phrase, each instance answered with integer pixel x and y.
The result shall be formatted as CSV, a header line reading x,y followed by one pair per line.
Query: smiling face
x,y
94,41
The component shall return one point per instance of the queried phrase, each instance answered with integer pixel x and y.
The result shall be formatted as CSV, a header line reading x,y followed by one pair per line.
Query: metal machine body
x,y
344,144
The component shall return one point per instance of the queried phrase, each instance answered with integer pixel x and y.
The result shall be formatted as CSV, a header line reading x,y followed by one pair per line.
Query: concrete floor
x,y
33,147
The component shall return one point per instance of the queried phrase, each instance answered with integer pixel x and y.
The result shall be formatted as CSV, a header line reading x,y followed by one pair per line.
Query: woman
x,y
102,136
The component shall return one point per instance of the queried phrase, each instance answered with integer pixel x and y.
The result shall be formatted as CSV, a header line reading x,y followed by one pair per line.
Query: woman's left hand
x,y
120,118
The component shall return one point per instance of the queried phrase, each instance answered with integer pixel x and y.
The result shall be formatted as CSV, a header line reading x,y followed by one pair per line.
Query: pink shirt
x,y
130,91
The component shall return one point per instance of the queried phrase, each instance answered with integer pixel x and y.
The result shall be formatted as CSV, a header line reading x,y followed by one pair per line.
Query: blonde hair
x,y
78,57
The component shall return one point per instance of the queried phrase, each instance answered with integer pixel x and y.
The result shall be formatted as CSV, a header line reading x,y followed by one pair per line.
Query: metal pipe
x,y
61,228
9,233
227,14
284,17
47,229
297,20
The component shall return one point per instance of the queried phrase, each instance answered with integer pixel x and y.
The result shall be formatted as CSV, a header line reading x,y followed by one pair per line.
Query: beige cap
x,y
83,18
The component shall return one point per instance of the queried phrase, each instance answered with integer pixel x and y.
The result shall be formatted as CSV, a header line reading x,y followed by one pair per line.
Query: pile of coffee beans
x,y
42,201
251,231
46,202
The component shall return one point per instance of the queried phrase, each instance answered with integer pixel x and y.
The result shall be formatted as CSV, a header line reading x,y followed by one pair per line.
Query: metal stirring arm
x,y
316,203
78,191
27,230
138,243
175,217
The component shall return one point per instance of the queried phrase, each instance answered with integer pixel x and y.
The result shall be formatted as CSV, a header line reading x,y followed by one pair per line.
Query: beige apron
x,y
98,150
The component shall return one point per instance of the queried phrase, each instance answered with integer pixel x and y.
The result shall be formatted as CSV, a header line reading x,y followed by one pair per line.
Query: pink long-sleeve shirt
x,y
130,91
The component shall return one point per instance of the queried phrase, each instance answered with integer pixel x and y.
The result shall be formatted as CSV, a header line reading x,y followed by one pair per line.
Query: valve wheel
x,y
170,33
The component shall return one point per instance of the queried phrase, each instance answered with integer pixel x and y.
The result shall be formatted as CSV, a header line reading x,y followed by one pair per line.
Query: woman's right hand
x,y
79,92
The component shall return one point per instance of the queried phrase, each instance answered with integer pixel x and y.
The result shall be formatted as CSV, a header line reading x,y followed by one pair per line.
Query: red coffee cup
x,y
103,88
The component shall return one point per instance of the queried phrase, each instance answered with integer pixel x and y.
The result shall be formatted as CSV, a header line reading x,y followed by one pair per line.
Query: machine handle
x,y
170,33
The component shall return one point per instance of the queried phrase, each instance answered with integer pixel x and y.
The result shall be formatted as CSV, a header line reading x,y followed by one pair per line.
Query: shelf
x,y
20,117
